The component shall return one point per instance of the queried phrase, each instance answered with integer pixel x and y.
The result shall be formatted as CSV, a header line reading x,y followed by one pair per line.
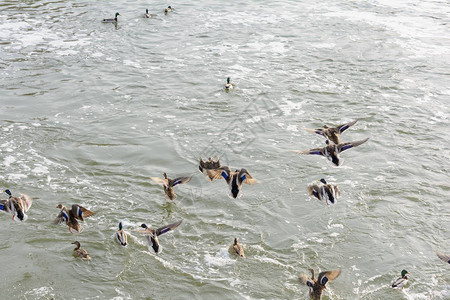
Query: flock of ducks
x,y
18,206
213,170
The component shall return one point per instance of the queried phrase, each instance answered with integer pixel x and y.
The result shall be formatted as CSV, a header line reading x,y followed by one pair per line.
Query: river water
x,y
89,111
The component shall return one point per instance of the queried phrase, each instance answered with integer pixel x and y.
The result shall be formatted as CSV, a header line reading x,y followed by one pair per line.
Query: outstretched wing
x,y
159,180
181,180
63,216
305,280
343,127
218,173
167,228
317,131
26,202
315,151
345,146
328,276
4,205
86,212
245,177
443,257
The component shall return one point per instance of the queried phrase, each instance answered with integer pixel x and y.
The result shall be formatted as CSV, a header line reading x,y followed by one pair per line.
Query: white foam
x,y
7,161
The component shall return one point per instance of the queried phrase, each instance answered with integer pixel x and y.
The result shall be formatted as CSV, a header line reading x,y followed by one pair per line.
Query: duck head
x,y
323,181
8,192
404,273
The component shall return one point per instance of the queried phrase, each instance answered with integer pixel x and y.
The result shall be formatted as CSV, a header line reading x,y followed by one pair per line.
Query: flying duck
x,y
332,133
152,234
18,206
170,183
317,285
233,179
70,216
327,192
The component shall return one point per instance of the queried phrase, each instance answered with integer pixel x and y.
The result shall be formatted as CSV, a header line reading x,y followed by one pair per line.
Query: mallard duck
x,y
70,216
233,179
210,164
152,234
77,251
401,281
147,14
317,285
332,151
444,257
18,206
170,183
326,191
111,20
168,9
236,249
121,236
228,85
332,133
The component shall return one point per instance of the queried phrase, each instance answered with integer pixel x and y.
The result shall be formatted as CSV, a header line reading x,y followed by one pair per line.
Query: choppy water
x,y
90,111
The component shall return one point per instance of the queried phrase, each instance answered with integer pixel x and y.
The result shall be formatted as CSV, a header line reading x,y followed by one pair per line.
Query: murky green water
x,y
90,111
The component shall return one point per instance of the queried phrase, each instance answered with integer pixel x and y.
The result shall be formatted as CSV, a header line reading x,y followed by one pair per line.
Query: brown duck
x,y
71,217
236,249
317,285
332,133
16,205
170,183
234,179
80,252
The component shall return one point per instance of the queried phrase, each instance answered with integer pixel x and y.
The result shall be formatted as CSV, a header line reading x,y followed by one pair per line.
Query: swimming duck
x,y
168,9
80,252
444,257
121,236
236,249
152,234
327,191
111,20
170,183
401,281
16,205
228,85
210,164
70,216
332,151
147,14
317,285
332,133
233,179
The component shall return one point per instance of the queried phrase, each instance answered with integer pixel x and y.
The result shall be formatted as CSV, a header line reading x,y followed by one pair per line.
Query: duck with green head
x,y
121,236
111,20
18,206
168,9
228,85
401,281
147,14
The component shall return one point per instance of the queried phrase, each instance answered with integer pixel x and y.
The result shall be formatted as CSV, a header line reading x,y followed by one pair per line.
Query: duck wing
x,y
328,276
160,180
4,205
305,280
314,151
343,127
215,174
167,228
443,257
316,130
25,202
181,180
245,177
79,212
345,146
63,216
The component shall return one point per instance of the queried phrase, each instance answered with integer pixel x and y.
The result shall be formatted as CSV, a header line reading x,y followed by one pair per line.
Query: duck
x,y
332,133
18,206
317,285
170,183
210,164
401,281
77,251
152,234
326,191
444,257
236,249
228,85
332,151
121,236
147,14
111,20
168,9
70,216
233,179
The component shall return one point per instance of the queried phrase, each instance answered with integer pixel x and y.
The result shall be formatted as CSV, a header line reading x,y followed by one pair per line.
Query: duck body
x,y
169,184
317,285
71,217
332,151
121,236
234,179
327,192
111,20
236,249
332,133
79,252
401,281
147,14
168,9
152,234
18,206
